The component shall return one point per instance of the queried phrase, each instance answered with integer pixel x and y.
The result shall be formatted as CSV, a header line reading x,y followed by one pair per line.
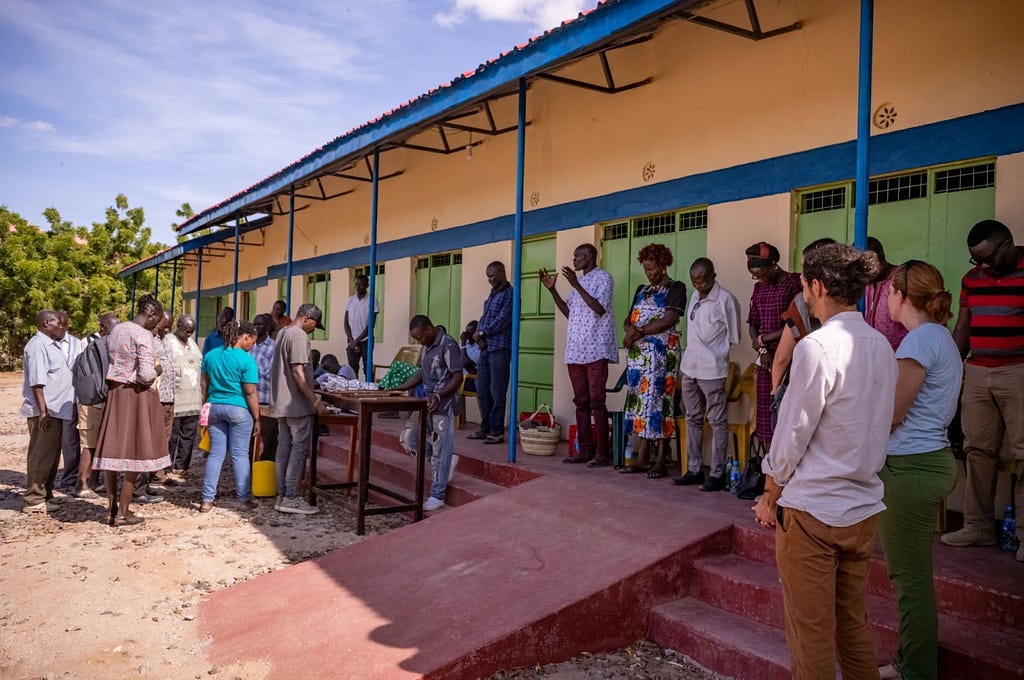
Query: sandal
x,y
633,470
657,473
479,434
126,520
494,439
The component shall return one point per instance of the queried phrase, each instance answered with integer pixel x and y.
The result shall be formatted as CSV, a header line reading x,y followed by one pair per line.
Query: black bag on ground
x,y
89,373
752,479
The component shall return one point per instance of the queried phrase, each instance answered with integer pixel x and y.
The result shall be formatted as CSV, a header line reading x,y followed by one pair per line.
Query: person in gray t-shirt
x,y
295,405
441,375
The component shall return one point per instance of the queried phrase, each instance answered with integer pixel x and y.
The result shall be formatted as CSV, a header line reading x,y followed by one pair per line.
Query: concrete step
x,y
994,597
394,470
723,641
750,588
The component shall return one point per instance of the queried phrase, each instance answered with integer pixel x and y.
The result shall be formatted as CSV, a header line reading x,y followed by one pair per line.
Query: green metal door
x,y
378,321
683,232
439,290
922,215
536,326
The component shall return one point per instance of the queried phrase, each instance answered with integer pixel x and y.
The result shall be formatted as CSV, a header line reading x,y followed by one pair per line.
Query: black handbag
x,y
752,479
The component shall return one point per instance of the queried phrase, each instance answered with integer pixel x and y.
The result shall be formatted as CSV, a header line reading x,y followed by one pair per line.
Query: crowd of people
x,y
854,408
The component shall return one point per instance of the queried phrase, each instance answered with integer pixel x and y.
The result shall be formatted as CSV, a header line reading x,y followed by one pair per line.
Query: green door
x,y
439,290
922,215
536,326
378,320
683,232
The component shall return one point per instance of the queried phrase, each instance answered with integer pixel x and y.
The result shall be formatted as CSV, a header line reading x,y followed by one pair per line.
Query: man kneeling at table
x,y
440,373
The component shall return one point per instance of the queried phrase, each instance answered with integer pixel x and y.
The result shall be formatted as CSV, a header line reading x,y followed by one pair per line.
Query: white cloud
x,y
543,14
40,126
7,122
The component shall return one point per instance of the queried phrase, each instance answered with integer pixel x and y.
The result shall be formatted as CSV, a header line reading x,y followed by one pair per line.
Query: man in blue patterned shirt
x,y
494,337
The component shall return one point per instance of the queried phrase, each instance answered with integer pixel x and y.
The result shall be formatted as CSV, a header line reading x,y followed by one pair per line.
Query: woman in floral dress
x,y
652,360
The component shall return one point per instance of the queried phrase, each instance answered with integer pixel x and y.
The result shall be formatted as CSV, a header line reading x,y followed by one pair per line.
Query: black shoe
x,y
599,462
689,479
575,460
147,499
713,484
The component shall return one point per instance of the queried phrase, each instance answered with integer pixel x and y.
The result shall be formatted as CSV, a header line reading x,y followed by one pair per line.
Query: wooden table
x,y
365,404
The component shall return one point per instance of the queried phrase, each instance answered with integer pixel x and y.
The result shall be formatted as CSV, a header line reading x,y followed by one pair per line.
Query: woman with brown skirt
x,y
131,438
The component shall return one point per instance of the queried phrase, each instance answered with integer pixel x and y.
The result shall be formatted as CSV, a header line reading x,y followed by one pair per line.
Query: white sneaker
x,y
451,467
277,502
297,506
432,504
38,508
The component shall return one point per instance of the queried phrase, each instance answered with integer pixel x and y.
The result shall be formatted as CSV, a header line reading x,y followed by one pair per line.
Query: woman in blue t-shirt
x,y
919,471
229,383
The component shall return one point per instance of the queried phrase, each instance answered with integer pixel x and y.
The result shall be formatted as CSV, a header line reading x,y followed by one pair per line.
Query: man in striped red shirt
x,y
990,329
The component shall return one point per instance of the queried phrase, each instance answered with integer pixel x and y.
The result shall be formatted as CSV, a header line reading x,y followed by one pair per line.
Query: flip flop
x,y
633,470
494,439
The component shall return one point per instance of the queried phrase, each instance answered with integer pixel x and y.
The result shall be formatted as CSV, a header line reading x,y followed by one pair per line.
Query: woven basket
x,y
540,440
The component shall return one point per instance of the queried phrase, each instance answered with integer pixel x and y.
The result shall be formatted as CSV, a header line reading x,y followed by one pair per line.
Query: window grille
x,y
442,260
423,263
898,188
655,224
965,179
614,232
456,258
693,219
825,199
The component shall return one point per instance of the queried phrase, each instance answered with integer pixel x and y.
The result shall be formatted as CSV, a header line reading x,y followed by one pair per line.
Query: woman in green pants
x,y
919,470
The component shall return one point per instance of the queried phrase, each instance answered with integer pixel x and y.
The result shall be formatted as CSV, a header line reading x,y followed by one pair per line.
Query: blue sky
x,y
197,99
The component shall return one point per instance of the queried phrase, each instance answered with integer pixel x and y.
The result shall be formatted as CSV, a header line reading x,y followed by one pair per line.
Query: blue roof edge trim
x,y
603,22
176,251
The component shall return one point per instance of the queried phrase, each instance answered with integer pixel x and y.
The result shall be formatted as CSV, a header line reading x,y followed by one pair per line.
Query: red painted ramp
x,y
533,574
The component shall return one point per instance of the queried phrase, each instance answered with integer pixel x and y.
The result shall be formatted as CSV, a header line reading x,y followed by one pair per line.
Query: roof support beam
x,y
753,33
323,193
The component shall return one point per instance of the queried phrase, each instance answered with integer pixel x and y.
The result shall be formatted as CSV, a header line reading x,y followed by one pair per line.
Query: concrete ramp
x,y
536,573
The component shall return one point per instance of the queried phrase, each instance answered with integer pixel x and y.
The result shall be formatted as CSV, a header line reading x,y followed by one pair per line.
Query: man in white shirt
x,y
822,469
70,445
357,316
714,325
589,347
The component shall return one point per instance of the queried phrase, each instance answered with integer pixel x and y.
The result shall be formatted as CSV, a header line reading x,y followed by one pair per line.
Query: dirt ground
x,y
81,600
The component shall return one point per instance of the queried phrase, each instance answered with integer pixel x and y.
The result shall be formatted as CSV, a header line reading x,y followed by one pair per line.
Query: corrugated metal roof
x,y
610,19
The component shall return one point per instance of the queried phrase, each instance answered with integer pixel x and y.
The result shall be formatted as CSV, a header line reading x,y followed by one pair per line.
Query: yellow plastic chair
x,y
741,408
463,393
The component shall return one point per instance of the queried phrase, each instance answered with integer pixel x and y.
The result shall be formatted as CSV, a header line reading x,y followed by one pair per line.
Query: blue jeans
x,y
492,375
230,430
294,441
440,441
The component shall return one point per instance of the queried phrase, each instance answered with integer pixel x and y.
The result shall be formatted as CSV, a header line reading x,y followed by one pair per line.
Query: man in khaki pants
x,y
990,328
828,448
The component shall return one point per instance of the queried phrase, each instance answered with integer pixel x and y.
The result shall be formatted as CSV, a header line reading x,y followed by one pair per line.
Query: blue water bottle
x,y
1009,540
734,478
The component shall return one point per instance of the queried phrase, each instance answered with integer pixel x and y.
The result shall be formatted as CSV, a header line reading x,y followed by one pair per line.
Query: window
x,y
898,188
614,232
964,179
318,292
654,224
825,199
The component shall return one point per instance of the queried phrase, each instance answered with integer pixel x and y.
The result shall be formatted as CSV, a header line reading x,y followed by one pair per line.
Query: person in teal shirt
x,y
230,377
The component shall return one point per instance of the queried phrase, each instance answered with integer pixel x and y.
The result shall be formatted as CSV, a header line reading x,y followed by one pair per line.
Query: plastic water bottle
x,y
734,478
576,447
628,455
1009,540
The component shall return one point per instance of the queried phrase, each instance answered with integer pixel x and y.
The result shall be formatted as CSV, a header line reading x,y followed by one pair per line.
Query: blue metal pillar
x,y
134,277
234,301
374,194
860,223
288,266
199,289
174,283
517,265
156,283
